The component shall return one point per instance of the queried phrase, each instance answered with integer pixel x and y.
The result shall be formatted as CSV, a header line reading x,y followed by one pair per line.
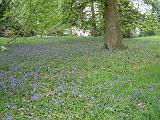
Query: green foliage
x,y
130,16
149,25
3,48
4,10
40,16
153,20
46,17
155,5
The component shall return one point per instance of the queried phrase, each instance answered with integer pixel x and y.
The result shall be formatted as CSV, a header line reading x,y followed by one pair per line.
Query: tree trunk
x,y
113,33
129,34
94,27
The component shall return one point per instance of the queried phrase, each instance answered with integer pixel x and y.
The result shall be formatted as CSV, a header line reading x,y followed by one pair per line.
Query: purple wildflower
x,y
36,73
27,94
1,74
22,85
36,96
13,81
3,86
62,89
34,88
115,81
9,117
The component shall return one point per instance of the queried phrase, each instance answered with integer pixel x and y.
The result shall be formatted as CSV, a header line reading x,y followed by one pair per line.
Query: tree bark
x,y
129,34
113,33
94,26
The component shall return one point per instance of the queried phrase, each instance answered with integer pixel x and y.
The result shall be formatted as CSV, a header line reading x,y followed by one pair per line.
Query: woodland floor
x,y
73,78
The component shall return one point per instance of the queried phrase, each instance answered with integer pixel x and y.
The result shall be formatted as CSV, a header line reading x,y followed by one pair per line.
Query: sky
x,y
141,6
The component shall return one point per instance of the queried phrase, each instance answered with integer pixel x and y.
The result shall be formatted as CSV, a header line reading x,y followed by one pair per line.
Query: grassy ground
x,y
73,78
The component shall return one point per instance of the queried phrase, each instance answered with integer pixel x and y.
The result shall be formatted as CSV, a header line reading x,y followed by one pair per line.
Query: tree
x,y
74,10
93,18
129,17
155,5
41,17
113,33
4,8
154,18
47,17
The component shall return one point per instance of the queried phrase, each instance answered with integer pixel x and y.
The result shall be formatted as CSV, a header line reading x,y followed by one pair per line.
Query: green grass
x,y
78,80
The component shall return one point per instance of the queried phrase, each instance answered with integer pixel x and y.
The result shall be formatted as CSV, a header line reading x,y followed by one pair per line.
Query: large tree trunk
x,y
94,26
113,33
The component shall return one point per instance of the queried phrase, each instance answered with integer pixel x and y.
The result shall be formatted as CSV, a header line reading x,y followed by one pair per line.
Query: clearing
x,y
74,78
